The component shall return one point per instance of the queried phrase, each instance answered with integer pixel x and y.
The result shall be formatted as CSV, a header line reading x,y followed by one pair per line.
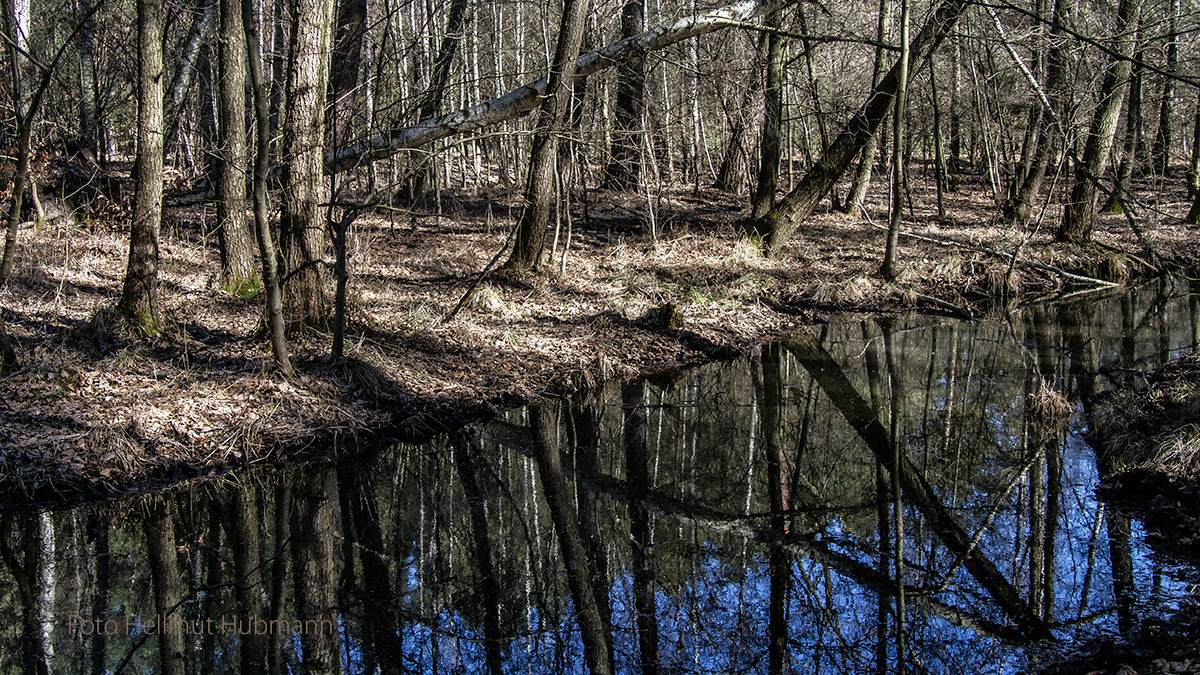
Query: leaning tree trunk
x,y
625,159
182,81
768,171
233,233
539,189
301,229
1079,215
139,296
1133,137
778,224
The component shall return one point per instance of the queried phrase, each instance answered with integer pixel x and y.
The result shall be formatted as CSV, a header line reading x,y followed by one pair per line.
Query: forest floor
x,y
1149,440
94,409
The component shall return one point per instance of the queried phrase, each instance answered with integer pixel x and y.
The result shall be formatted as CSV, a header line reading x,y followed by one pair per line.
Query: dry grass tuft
x,y
1178,453
1048,410
1158,428
486,299
1113,267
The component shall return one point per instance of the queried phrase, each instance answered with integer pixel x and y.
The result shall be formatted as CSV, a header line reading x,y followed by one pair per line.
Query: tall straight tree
x,y
262,227
1050,132
347,61
301,229
862,177
233,234
1160,153
889,269
89,110
539,189
625,164
768,171
139,296
1079,215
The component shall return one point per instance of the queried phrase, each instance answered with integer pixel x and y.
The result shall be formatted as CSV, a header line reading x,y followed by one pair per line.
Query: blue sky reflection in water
x,y
723,519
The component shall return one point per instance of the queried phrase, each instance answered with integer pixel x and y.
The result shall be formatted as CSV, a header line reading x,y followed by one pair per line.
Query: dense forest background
x,y
295,117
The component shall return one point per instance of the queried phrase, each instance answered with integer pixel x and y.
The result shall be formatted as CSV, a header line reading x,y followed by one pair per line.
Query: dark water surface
x,y
726,519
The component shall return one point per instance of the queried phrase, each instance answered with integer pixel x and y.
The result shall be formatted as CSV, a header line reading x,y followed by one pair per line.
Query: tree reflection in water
x,y
739,517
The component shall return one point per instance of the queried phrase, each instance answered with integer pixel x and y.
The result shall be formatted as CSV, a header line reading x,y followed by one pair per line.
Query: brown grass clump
x,y
1049,410
1157,429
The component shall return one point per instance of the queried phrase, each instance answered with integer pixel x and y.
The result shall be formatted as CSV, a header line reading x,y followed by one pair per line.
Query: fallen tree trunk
x,y
777,225
524,99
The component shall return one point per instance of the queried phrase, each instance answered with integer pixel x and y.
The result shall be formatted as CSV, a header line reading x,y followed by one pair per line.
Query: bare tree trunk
x,y
1193,173
1160,152
435,92
1050,134
278,60
625,163
233,235
777,225
522,100
262,226
768,172
301,228
91,134
182,81
207,116
730,175
539,189
1079,215
347,63
1134,126
139,296
939,158
899,111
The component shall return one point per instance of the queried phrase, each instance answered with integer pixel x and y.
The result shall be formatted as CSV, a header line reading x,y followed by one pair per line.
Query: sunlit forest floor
x,y
96,409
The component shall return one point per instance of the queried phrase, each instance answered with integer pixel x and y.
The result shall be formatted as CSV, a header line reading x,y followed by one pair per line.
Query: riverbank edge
x,y
197,415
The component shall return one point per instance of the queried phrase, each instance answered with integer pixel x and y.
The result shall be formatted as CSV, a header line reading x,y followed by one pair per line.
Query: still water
x,y
741,517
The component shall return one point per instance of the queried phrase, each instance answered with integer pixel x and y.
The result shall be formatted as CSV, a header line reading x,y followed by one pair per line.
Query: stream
x,y
909,494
